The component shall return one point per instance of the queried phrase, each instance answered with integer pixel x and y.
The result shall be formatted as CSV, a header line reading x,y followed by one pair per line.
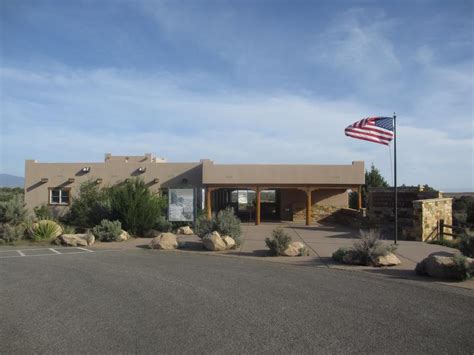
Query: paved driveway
x,y
146,301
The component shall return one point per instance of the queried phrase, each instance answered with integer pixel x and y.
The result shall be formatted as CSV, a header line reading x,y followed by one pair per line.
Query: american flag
x,y
372,129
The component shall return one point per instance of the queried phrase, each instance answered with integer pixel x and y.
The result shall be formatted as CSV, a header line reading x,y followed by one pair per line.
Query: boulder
x,y
123,236
294,249
229,241
165,241
74,240
214,242
387,260
185,230
442,267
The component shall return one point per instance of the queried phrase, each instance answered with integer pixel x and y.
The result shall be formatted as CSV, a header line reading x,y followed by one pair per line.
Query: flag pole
x,y
395,176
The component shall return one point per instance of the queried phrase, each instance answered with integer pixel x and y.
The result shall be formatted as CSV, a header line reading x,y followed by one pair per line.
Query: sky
x,y
239,82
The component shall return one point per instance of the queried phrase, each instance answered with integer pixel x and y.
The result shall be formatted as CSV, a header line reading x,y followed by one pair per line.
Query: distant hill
x,y
7,180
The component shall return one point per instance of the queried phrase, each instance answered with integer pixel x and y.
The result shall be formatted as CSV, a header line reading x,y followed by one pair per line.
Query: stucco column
x,y
257,207
359,198
309,206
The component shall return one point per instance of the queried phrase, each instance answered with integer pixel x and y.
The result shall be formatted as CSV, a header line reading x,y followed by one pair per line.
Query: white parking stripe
x,y
85,249
54,251
20,252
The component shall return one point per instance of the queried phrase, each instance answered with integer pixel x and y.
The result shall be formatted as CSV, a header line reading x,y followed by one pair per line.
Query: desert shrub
x,y
9,234
67,229
454,243
13,211
279,242
90,206
107,231
339,254
204,226
369,246
43,212
45,230
227,223
466,245
136,206
163,225
464,269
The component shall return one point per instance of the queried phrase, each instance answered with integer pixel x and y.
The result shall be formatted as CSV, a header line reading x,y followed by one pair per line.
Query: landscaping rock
x,y
123,236
229,241
185,230
442,267
387,260
294,249
214,242
165,241
74,240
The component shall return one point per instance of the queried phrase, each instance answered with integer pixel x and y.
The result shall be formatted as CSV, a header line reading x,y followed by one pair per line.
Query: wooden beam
x,y
257,207
208,203
359,198
309,206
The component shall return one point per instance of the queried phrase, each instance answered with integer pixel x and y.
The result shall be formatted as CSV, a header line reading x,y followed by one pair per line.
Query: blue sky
x,y
239,82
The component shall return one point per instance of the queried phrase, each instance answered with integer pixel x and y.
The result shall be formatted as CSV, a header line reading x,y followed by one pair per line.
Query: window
x,y
59,196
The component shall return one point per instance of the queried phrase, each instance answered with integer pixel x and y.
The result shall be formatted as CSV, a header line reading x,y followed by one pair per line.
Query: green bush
x,y
466,245
107,231
136,206
204,226
45,230
227,223
369,247
279,242
67,229
338,255
13,211
90,206
9,234
43,212
163,225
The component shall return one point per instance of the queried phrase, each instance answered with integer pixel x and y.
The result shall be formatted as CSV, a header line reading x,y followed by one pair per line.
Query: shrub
x,y
136,206
338,255
107,231
464,269
67,229
227,223
90,206
43,212
11,233
369,246
163,225
204,226
13,211
45,230
279,242
466,245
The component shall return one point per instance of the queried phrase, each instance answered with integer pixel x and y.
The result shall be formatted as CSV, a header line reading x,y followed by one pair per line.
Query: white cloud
x,y
79,115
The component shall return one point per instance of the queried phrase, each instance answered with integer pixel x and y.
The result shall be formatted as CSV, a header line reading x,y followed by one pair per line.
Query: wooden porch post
x,y
359,198
257,207
309,206
208,203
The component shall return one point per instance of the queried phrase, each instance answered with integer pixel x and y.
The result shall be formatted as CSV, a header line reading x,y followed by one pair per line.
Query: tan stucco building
x,y
306,192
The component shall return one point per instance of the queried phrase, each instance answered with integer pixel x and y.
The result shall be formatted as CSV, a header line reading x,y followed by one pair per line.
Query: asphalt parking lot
x,y
170,302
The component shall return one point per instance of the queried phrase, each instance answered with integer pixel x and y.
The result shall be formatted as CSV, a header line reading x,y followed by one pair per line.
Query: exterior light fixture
x,y
86,169
44,180
141,169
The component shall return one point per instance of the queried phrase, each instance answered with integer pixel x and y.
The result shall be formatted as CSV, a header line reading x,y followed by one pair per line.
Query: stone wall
x,y
427,213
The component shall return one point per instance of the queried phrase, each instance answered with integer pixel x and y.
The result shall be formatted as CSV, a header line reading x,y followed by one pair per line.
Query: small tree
x,y
13,211
133,204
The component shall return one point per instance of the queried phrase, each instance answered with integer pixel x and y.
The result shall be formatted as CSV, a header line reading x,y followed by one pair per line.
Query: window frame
x,y
61,189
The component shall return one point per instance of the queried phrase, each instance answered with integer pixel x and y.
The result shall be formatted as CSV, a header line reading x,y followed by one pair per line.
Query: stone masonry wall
x,y
427,213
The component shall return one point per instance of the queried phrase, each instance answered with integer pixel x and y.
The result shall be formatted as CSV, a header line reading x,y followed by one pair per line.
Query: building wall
x,y
426,215
112,171
325,202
